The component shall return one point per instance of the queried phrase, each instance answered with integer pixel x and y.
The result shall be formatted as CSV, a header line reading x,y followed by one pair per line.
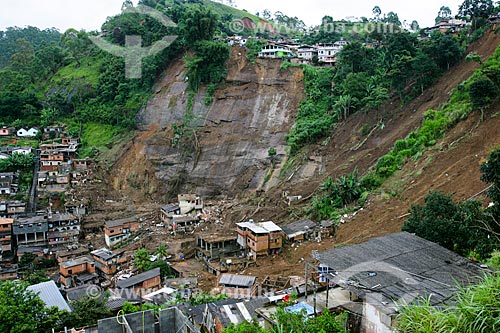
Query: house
x,y
31,231
6,234
15,207
219,315
401,267
7,180
11,208
6,131
238,286
118,230
22,150
299,230
447,26
107,262
215,246
327,52
189,202
63,229
77,272
50,160
72,252
147,280
306,53
183,223
168,211
213,249
23,133
259,238
8,273
50,295
276,51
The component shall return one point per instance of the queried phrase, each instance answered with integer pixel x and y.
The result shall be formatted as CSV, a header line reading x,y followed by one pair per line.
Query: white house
x,y
22,150
275,50
32,132
305,53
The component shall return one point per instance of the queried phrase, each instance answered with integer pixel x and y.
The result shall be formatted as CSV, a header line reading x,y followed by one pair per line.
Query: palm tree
x,y
161,251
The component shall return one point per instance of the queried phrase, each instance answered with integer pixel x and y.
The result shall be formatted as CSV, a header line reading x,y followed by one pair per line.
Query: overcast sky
x,y
90,14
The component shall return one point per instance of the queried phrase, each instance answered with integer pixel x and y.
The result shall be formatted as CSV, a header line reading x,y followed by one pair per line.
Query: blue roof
x,y
50,295
297,308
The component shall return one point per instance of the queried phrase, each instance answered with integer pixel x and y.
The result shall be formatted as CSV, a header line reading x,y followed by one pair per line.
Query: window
x,y
70,271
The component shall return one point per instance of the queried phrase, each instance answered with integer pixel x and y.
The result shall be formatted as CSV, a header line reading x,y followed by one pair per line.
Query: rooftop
x,y
137,279
116,223
399,267
170,208
50,295
259,228
77,261
298,227
237,280
104,254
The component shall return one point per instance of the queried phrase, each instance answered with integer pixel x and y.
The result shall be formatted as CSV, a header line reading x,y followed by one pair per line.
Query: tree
x,y
141,259
482,91
415,26
77,43
443,14
376,13
87,311
22,311
198,24
457,227
392,18
475,10
161,251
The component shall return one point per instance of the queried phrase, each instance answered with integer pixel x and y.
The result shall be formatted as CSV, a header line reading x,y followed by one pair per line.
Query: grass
x,y
88,71
477,310
96,137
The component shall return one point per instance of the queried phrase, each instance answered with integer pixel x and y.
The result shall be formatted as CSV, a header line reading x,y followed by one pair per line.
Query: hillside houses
x,y
258,239
117,231
45,233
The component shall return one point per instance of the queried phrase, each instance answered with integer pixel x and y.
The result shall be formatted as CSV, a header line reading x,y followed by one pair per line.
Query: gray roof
x,y
298,227
237,280
238,312
115,223
170,208
30,227
76,261
50,295
399,267
137,279
104,254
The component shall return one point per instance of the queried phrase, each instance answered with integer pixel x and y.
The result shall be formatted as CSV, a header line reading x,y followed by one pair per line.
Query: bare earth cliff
x,y
252,112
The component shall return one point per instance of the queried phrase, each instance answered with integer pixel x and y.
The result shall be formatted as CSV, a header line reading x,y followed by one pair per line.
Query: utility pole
x,y
307,275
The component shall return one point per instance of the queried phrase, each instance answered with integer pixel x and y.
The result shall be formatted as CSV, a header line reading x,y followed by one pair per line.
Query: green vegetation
x,y
463,227
366,78
198,299
477,309
478,92
455,226
22,311
336,195
87,311
142,262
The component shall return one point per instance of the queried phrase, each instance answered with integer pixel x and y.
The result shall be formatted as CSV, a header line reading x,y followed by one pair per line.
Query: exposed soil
x,y
452,165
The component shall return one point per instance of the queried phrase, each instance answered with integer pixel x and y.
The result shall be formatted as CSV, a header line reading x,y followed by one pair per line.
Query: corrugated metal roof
x,y
298,227
396,266
237,280
50,295
115,223
130,282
